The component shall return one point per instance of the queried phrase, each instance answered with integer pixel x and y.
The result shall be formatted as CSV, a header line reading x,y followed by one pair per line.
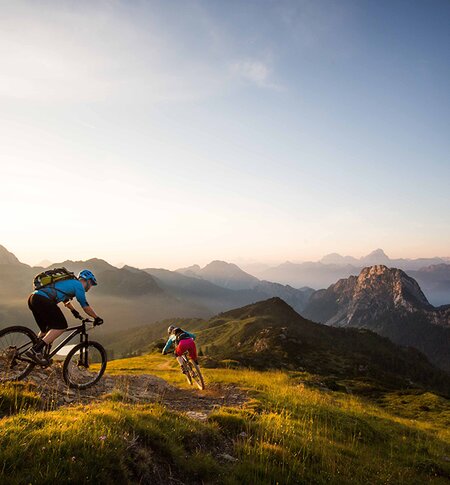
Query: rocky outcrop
x,y
389,302
377,291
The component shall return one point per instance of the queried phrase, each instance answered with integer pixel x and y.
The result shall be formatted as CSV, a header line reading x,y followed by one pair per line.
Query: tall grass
x,y
17,397
292,434
104,444
288,432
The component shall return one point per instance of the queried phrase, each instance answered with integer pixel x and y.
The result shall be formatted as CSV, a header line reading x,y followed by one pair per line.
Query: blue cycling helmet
x,y
88,276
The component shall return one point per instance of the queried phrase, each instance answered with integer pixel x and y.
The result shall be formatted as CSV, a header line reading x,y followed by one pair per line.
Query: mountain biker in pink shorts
x,y
183,341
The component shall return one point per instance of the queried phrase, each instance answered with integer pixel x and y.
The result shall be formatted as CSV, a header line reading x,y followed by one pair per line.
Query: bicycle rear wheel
x,y
187,370
14,342
84,365
196,375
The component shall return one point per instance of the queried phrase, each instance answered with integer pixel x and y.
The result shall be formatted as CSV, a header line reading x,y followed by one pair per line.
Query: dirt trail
x,y
142,388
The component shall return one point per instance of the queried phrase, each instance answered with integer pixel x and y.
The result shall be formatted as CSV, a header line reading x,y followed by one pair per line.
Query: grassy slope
x,y
288,432
271,335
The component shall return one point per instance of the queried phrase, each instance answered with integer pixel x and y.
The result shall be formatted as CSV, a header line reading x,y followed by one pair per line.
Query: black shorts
x,y
47,313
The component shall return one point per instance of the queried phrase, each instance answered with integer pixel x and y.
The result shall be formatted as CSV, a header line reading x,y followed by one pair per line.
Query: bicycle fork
x,y
83,361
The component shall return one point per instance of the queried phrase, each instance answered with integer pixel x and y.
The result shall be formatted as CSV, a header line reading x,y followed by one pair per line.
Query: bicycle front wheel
x,y
14,342
197,375
84,365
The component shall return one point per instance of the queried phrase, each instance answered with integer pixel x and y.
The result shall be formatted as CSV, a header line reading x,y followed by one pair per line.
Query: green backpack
x,y
51,276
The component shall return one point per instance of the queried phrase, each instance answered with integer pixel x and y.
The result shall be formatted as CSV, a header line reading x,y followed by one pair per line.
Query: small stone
x,y
243,434
228,457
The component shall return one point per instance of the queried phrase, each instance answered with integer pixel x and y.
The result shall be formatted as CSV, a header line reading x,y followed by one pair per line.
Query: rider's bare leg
x,y
52,335
180,360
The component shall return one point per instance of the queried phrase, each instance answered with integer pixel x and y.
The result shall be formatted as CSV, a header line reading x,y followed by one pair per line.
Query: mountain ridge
x,y
8,258
389,302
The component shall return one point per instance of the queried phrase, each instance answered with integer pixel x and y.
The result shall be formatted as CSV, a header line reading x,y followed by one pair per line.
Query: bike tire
x,y
69,363
187,371
20,332
197,375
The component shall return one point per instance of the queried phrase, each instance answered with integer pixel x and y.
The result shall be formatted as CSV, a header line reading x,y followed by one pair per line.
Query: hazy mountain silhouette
x,y
435,282
115,281
389,302
217,298
7,258
227,275
130,297
123,298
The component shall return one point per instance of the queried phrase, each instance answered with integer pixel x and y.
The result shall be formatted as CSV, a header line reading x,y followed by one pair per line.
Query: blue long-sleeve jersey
x,y
65,290
171,340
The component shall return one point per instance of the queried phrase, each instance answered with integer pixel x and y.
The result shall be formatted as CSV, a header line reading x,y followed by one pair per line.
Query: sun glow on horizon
x,y
161,136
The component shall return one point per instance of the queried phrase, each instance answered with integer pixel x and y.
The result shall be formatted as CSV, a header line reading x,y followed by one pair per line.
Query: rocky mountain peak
x,y
391,286
376,292
389,302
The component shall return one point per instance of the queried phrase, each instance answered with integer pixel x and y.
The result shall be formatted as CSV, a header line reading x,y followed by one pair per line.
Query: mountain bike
x,y
78,371
192,371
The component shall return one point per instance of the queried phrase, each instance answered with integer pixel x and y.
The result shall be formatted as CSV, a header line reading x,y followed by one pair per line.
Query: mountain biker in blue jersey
x,y
51,321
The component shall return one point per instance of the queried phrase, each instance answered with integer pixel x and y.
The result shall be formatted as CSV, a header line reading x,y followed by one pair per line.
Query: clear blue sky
x,y
181,132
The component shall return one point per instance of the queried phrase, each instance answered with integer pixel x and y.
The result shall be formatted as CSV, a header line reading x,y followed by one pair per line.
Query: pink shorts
x,y
187,344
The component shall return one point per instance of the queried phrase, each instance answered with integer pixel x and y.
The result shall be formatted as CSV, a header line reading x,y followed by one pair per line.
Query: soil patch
x,y
142,388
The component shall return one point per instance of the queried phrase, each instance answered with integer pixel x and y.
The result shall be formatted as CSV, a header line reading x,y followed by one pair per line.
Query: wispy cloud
x,y
109,51
256,72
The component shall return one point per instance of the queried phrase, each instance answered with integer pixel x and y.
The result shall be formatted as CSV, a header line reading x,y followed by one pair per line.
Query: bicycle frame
x,y
78,329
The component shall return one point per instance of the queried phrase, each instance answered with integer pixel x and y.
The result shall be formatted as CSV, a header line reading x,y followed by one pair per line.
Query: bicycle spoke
x,y
13,343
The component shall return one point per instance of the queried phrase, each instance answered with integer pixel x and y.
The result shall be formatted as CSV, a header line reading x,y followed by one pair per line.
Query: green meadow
x,y
291,429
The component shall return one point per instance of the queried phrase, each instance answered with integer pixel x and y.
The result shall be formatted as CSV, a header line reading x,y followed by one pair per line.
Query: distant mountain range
x,y
124,298
378,256
130,297
385,300
389,302
432,273
221,286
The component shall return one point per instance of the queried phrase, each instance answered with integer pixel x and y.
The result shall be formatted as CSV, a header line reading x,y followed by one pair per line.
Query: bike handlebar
x,y
85,320
88,320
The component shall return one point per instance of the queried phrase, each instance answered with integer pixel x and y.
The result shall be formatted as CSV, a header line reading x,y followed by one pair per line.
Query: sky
x,y
163,134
